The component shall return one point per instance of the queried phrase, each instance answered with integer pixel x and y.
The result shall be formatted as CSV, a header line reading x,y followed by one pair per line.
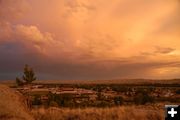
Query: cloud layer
x,y
83,39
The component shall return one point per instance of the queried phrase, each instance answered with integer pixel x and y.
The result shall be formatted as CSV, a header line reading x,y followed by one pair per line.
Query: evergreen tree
x,y
27,78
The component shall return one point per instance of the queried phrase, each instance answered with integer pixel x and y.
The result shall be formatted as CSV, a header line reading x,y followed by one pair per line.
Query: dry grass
x,y
11,105
118,113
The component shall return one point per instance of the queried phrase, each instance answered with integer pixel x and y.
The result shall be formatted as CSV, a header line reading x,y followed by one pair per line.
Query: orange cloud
x,y
82,32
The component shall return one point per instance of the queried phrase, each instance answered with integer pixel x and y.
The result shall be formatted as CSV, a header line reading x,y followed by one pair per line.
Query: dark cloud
x,y
47,68
162,50
19,44
159,50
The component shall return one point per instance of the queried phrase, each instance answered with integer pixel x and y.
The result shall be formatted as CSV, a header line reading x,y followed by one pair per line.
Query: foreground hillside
x,y
12,106
117,113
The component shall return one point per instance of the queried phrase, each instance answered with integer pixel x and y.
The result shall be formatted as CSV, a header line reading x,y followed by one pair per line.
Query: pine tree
x,y
27,78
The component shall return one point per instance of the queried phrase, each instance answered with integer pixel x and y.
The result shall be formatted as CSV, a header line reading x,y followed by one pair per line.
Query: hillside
x,y
11,105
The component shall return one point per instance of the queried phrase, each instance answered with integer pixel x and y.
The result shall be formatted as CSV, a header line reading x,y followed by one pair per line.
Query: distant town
x,y
98,95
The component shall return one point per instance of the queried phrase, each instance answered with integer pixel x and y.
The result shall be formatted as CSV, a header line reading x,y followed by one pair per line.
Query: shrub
x,y
118,100
102,104
143,98
53,104
120,88
178,91
37,100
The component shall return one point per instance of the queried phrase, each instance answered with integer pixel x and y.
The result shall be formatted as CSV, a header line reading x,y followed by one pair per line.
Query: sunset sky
x,y
90,39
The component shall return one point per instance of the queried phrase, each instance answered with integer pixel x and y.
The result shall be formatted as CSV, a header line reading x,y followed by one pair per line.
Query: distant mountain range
x,y
113,81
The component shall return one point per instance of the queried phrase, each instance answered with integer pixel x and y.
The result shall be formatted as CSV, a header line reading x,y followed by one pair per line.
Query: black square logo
x,y
172,112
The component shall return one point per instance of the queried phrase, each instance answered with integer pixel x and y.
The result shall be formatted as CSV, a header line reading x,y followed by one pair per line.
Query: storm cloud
x,y
84,39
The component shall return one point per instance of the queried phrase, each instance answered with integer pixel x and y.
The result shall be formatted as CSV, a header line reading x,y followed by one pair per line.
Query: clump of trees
x,y
64,100
27,78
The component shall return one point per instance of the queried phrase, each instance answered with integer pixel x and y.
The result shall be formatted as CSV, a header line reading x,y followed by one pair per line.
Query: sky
x,y
90,39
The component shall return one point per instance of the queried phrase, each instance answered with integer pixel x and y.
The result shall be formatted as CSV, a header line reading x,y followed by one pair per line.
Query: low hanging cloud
x,y
19,44
83,39
27,35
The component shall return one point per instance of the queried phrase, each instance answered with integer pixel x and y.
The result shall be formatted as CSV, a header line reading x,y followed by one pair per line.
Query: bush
x,y
143,98
178,91
102,104
37,100
120,88
64,100
53,104
118,100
